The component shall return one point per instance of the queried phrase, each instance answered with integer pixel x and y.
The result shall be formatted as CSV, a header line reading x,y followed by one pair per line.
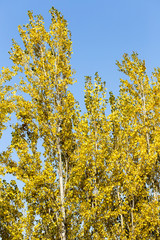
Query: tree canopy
x,y
86,175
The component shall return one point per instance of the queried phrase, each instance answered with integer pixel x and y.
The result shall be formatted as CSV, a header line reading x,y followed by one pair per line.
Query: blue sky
x,y
102,31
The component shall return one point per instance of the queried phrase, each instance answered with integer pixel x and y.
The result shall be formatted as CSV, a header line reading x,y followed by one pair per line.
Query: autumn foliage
x,y
85,175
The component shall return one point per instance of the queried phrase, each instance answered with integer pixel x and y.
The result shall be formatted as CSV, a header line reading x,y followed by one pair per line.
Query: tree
x,y
89,179
45,70
85,175
135,141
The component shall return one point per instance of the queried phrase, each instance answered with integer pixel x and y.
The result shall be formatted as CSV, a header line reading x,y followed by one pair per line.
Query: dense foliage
x,y
85,175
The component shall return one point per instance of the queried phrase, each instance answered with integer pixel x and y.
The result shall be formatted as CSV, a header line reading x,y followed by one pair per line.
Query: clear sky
x,y
102,31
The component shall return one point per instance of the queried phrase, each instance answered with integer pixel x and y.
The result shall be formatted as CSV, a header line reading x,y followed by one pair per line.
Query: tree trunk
x,y
61,186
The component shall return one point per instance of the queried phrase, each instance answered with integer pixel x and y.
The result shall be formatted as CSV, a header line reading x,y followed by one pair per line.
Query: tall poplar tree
x,y
89,178
137,193
45,113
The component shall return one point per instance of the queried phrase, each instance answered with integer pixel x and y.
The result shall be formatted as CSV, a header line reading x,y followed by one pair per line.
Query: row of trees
x,y
85,175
